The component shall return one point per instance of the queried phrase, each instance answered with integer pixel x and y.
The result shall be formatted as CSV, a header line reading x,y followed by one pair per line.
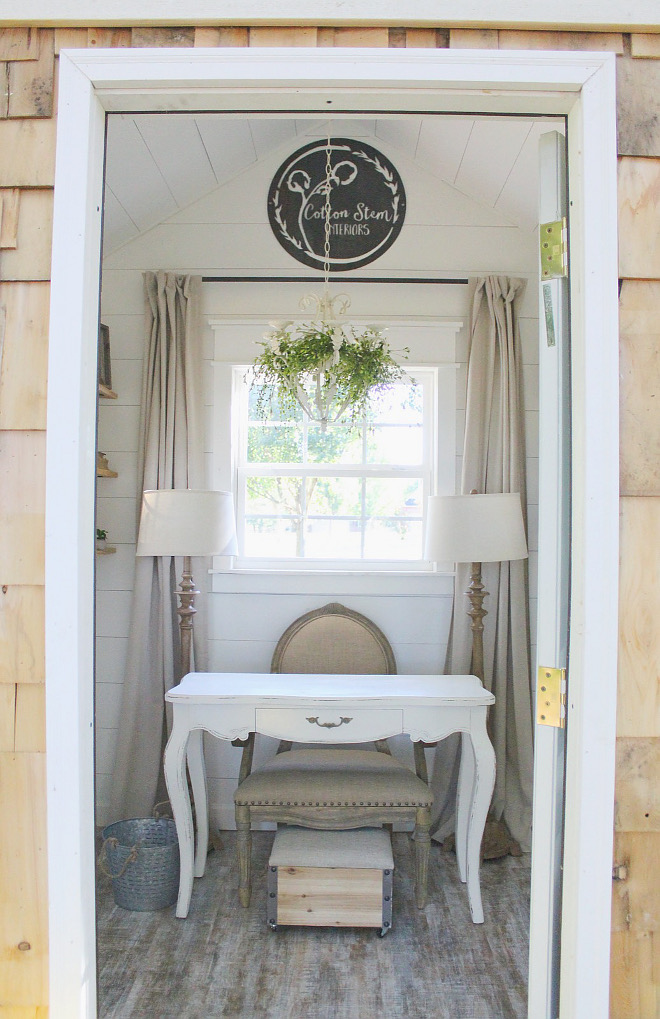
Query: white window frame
x,y
91,83
427,377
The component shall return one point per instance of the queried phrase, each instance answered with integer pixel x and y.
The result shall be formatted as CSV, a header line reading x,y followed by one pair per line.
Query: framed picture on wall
x,y
105,370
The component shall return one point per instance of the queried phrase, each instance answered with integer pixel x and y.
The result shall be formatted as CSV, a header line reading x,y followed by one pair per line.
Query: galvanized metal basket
x,y
141,855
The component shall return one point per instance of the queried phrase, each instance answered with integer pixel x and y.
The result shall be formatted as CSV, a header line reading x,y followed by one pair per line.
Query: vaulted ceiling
x,y
157,164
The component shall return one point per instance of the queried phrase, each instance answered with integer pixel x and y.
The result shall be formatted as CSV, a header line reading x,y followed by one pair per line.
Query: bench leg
x,y
422,852
244,843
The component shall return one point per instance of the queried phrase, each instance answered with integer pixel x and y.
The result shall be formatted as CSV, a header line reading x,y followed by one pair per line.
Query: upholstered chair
x,y
333,787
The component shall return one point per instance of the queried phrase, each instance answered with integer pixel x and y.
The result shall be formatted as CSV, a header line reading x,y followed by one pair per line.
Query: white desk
x,y
328,709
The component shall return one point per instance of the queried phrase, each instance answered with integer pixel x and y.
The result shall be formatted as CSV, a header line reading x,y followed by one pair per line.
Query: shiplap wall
x,y
247,614
28,60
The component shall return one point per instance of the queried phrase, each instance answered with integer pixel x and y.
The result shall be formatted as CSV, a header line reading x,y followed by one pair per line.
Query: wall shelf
x,y
109,550
106,392
105,472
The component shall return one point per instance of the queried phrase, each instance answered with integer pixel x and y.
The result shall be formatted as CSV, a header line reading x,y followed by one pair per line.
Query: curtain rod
x,y
333,279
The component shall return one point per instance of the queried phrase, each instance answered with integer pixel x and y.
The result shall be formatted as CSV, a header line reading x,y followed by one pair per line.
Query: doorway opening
x,y
187,193
88,330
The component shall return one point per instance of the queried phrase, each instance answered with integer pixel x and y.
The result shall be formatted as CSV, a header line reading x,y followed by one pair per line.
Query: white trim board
x,y
581,84
600,15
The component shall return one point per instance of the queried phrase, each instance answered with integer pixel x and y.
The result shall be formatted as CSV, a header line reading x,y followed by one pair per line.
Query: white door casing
x,y
580,85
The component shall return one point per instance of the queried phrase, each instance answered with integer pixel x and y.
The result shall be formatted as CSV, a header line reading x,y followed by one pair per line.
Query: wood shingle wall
x,y
28,71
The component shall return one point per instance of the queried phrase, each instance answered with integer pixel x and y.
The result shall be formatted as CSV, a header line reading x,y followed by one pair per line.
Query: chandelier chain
x,y
326,247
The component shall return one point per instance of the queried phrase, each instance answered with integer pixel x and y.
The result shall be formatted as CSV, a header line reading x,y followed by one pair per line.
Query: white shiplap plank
x,y
124,462
114,572
270,133
118,427
126,380
530,376
249,247
240,655
122,295
442,144
113,613
108,705
106,747
132,173
518,199
177,149
495,144
402,134
118,227
111,659
229,146
118,517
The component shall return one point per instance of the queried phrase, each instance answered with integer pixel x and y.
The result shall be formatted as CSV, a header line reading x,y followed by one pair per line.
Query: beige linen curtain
x,y
169,456
494,461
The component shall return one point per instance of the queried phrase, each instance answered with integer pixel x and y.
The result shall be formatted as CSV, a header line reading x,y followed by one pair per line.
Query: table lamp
x,y
475,529
186,522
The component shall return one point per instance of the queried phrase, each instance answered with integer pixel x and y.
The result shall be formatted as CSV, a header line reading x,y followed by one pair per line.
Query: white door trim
x,y
579,84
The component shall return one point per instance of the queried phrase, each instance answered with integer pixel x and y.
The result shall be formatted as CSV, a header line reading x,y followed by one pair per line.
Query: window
x,y
337,497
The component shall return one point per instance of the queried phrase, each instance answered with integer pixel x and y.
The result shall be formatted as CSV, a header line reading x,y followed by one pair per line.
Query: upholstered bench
x,y
333,790
331,878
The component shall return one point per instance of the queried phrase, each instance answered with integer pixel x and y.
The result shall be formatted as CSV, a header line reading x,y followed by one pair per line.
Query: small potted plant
x,y
101,539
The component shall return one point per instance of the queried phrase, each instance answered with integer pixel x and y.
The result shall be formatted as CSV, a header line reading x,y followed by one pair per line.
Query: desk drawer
x,y
329,725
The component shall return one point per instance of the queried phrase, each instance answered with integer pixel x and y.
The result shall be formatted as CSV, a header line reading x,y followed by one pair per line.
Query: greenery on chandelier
x,y
328,369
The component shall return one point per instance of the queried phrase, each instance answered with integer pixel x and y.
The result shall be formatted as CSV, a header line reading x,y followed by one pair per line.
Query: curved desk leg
x,y
177,788
464,796
197,772
484,781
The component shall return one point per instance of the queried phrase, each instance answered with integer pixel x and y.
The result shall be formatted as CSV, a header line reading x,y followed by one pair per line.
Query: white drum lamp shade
x,y
475,528
187,522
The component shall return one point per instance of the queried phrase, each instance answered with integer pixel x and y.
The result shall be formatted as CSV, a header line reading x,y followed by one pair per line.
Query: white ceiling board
x,y
494,144
118,227
133,175
442,143
270,134
168,168
518,198
229,145
339,127
188,171
440,204
401,134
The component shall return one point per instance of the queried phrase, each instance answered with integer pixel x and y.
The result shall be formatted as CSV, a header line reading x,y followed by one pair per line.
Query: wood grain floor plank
x,y
224,961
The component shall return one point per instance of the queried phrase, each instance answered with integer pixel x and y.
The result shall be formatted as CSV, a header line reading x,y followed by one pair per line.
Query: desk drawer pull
x,y
329,725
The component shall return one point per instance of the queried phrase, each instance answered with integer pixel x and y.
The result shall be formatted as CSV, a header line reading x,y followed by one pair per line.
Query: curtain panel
x,y
169,456
494,461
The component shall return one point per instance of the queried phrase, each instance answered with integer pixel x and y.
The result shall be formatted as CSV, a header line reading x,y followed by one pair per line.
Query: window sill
x,y
332,582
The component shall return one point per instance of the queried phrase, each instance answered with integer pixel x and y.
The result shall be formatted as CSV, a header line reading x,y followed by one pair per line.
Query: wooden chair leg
x,y
422,852
244,846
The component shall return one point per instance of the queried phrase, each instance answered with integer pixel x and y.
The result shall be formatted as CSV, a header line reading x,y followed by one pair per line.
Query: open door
x,y
553,584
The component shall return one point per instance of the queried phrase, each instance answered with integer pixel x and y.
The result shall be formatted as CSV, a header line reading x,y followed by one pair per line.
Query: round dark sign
x,y
367,204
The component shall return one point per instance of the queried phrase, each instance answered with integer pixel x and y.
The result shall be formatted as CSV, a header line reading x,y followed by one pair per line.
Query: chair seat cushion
x,y
334,778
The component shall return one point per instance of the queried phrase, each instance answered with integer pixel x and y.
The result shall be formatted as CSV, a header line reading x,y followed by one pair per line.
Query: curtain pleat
x,y
169,456
494,461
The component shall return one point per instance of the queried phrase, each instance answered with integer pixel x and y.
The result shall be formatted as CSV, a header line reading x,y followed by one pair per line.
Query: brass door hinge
x,y
551,697
554,250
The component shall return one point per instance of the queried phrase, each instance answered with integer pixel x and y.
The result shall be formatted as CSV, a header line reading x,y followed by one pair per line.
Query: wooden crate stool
x,y
331,878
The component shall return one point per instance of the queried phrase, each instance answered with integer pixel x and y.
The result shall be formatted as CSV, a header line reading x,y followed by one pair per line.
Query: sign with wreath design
x,y
367,204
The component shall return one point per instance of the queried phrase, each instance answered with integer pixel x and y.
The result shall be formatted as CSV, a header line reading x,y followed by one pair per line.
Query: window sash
x,y
425,377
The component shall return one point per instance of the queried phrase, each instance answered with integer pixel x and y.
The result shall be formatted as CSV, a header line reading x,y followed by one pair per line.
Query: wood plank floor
x,y
224,961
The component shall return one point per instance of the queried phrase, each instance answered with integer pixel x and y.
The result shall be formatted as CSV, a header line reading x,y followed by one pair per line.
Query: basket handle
x,y
103,857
